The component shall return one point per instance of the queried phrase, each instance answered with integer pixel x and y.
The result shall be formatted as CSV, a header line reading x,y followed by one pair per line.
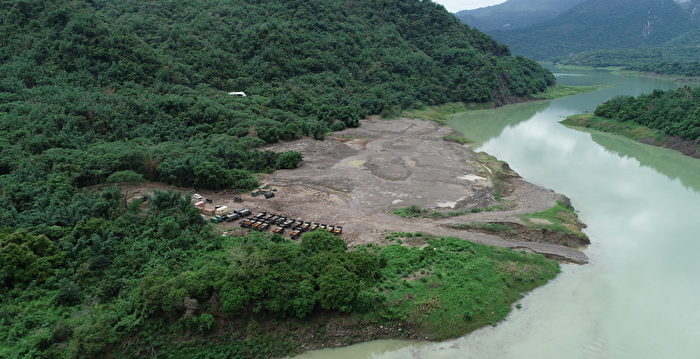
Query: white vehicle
x,y
197,196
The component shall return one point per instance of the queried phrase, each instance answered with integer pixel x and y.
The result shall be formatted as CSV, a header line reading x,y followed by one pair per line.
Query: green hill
x,y
89,88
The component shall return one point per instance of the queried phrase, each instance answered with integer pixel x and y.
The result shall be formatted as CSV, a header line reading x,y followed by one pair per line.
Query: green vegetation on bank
x,y
442,114
667,60
457,139
559,218
675,112
126,283
627,129
559,91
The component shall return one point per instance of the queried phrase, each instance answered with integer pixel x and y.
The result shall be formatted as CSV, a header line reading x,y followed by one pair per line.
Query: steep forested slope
x,y
515,14
604,24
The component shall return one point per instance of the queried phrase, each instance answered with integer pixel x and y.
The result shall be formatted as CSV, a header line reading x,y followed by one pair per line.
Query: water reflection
x,y
638,298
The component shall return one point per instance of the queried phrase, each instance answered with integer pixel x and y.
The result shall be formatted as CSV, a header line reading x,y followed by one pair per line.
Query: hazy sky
x,y
456,5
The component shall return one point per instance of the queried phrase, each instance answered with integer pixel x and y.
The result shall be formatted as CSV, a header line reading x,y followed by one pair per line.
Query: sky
x,y
457,5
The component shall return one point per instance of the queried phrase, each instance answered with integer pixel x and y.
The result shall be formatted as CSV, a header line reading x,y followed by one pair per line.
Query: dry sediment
x,y
358,176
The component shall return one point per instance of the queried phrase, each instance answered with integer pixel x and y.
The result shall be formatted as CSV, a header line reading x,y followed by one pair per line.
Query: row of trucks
x,y
263,220
231,216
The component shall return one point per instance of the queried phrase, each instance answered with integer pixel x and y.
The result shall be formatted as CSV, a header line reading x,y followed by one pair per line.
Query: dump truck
x,y
278,230
295,234
338,230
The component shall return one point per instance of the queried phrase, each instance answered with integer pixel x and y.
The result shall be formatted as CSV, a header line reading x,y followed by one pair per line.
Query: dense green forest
x,y
162,283
675,113
99,92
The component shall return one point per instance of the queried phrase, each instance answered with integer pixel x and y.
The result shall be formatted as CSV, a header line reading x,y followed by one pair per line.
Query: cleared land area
x,y
358,177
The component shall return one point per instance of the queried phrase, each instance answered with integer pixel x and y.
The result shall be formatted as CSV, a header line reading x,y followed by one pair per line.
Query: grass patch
x,y
452,287
416,211
627,129
457,139
559,91
485,226
559,218
443,113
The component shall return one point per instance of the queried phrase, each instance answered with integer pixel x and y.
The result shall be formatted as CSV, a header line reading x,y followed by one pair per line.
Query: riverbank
x,y
443,113
621,70
635,132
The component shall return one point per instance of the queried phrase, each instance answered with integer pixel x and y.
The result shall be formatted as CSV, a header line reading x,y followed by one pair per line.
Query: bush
x,y
288,160
127,176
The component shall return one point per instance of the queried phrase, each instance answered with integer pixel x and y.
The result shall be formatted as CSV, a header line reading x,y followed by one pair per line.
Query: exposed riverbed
x,y
640,295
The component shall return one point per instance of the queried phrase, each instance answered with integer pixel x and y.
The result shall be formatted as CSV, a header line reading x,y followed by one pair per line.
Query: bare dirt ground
x,y
358,176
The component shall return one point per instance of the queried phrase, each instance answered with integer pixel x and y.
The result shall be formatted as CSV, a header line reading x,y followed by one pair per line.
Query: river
x,y
640,295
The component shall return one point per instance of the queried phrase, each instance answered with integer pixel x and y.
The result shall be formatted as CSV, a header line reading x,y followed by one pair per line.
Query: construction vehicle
x,y
278,230
338,230
237,199
244,212
295,234
216,219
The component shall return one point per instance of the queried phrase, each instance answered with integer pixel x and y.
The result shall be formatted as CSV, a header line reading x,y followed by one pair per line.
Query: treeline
x,y
691,69
667,60
676,113
90,88
145,278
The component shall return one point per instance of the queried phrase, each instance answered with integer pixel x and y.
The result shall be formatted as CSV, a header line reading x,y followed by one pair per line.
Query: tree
x,y
322,241
288,160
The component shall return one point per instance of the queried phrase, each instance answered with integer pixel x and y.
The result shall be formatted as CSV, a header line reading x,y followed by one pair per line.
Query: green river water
x,y
640,295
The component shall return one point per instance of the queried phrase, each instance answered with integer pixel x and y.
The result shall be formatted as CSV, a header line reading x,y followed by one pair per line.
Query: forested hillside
x,y
100,92
675,113
91,88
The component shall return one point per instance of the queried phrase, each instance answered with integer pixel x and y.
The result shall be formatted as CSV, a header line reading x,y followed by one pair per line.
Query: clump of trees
x,y
676,112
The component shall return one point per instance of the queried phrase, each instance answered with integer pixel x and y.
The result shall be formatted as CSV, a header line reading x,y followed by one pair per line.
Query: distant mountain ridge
x,y
594,25
515,14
